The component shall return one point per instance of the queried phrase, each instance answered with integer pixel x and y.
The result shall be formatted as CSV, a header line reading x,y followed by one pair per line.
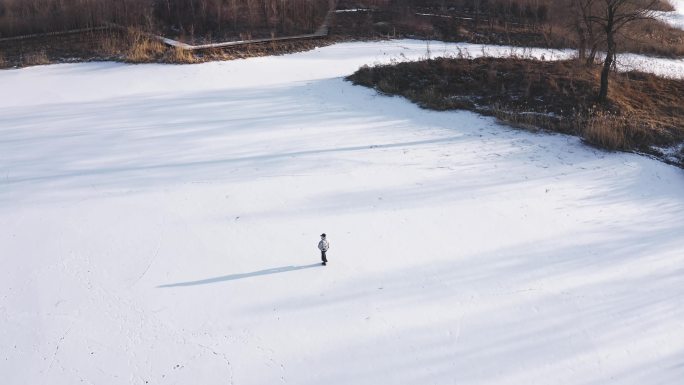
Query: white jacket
x,y
323,245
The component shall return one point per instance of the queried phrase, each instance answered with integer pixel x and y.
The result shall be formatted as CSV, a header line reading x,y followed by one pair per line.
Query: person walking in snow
x,y
323,246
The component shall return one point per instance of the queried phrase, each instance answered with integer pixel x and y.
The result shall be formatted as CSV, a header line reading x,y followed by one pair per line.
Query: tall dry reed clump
x,y
614,132
181,56
35,59
142,47
113,43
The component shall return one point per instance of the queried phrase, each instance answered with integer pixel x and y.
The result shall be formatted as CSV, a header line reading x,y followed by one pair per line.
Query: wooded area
x,y
177,17
132,26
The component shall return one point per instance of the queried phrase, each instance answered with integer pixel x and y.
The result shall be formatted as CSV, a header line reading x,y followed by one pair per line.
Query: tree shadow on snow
x,y
234,277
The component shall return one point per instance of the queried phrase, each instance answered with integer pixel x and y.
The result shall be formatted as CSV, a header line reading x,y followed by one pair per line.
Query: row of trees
x,y
207,16
20,17
512,10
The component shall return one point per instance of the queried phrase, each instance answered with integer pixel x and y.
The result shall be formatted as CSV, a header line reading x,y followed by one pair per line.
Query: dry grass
x,y
644,111
142,48
614,132
664,5
35,59
548,24
652,37
181,56
112,44
136,47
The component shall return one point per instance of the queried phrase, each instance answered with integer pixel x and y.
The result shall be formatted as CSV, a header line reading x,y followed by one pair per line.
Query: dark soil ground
x,y
644,112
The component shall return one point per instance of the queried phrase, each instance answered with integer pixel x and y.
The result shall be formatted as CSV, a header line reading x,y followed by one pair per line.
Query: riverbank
x,y
644,112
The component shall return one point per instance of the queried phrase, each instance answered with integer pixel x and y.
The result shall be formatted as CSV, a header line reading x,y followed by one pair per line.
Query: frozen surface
x,y
159,225
676,18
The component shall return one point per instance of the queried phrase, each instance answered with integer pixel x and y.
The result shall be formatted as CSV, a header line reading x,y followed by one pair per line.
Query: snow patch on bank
x,y
674,18
84,82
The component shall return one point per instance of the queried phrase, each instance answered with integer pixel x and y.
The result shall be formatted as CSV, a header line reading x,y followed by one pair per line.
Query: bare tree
x,y
613,16
583,11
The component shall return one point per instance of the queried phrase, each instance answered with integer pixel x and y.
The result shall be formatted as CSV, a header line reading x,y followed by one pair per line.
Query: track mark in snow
x,y
154,256
54,355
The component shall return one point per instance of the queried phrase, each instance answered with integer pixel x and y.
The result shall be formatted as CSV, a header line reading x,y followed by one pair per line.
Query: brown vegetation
x,y
608,130
542,23
132,46
601,21
177,18
643,111
141,48
536,23
22,17
181,56
36,58
128,25
652,37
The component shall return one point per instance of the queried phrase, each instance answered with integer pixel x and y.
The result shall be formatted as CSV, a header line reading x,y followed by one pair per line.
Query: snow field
x,y
160,226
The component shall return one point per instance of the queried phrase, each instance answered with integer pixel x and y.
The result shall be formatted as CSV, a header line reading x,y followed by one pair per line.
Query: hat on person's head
x,y
323,235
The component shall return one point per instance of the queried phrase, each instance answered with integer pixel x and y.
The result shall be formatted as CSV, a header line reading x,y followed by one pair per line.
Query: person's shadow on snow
x,y
234,277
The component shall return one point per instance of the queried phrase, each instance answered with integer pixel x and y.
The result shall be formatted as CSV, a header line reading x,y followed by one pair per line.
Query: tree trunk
x,y
582,49
578,23
607,64
125,12
592,54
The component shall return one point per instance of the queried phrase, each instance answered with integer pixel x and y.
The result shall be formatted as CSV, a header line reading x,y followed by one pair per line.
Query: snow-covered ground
x,y
676,18
159,226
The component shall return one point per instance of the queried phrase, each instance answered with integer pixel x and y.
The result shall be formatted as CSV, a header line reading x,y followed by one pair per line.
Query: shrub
x,y
610,131
112,43
181,56
143,49
35,58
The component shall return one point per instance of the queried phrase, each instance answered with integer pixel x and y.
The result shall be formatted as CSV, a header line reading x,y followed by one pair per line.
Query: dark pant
x,y
323,258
